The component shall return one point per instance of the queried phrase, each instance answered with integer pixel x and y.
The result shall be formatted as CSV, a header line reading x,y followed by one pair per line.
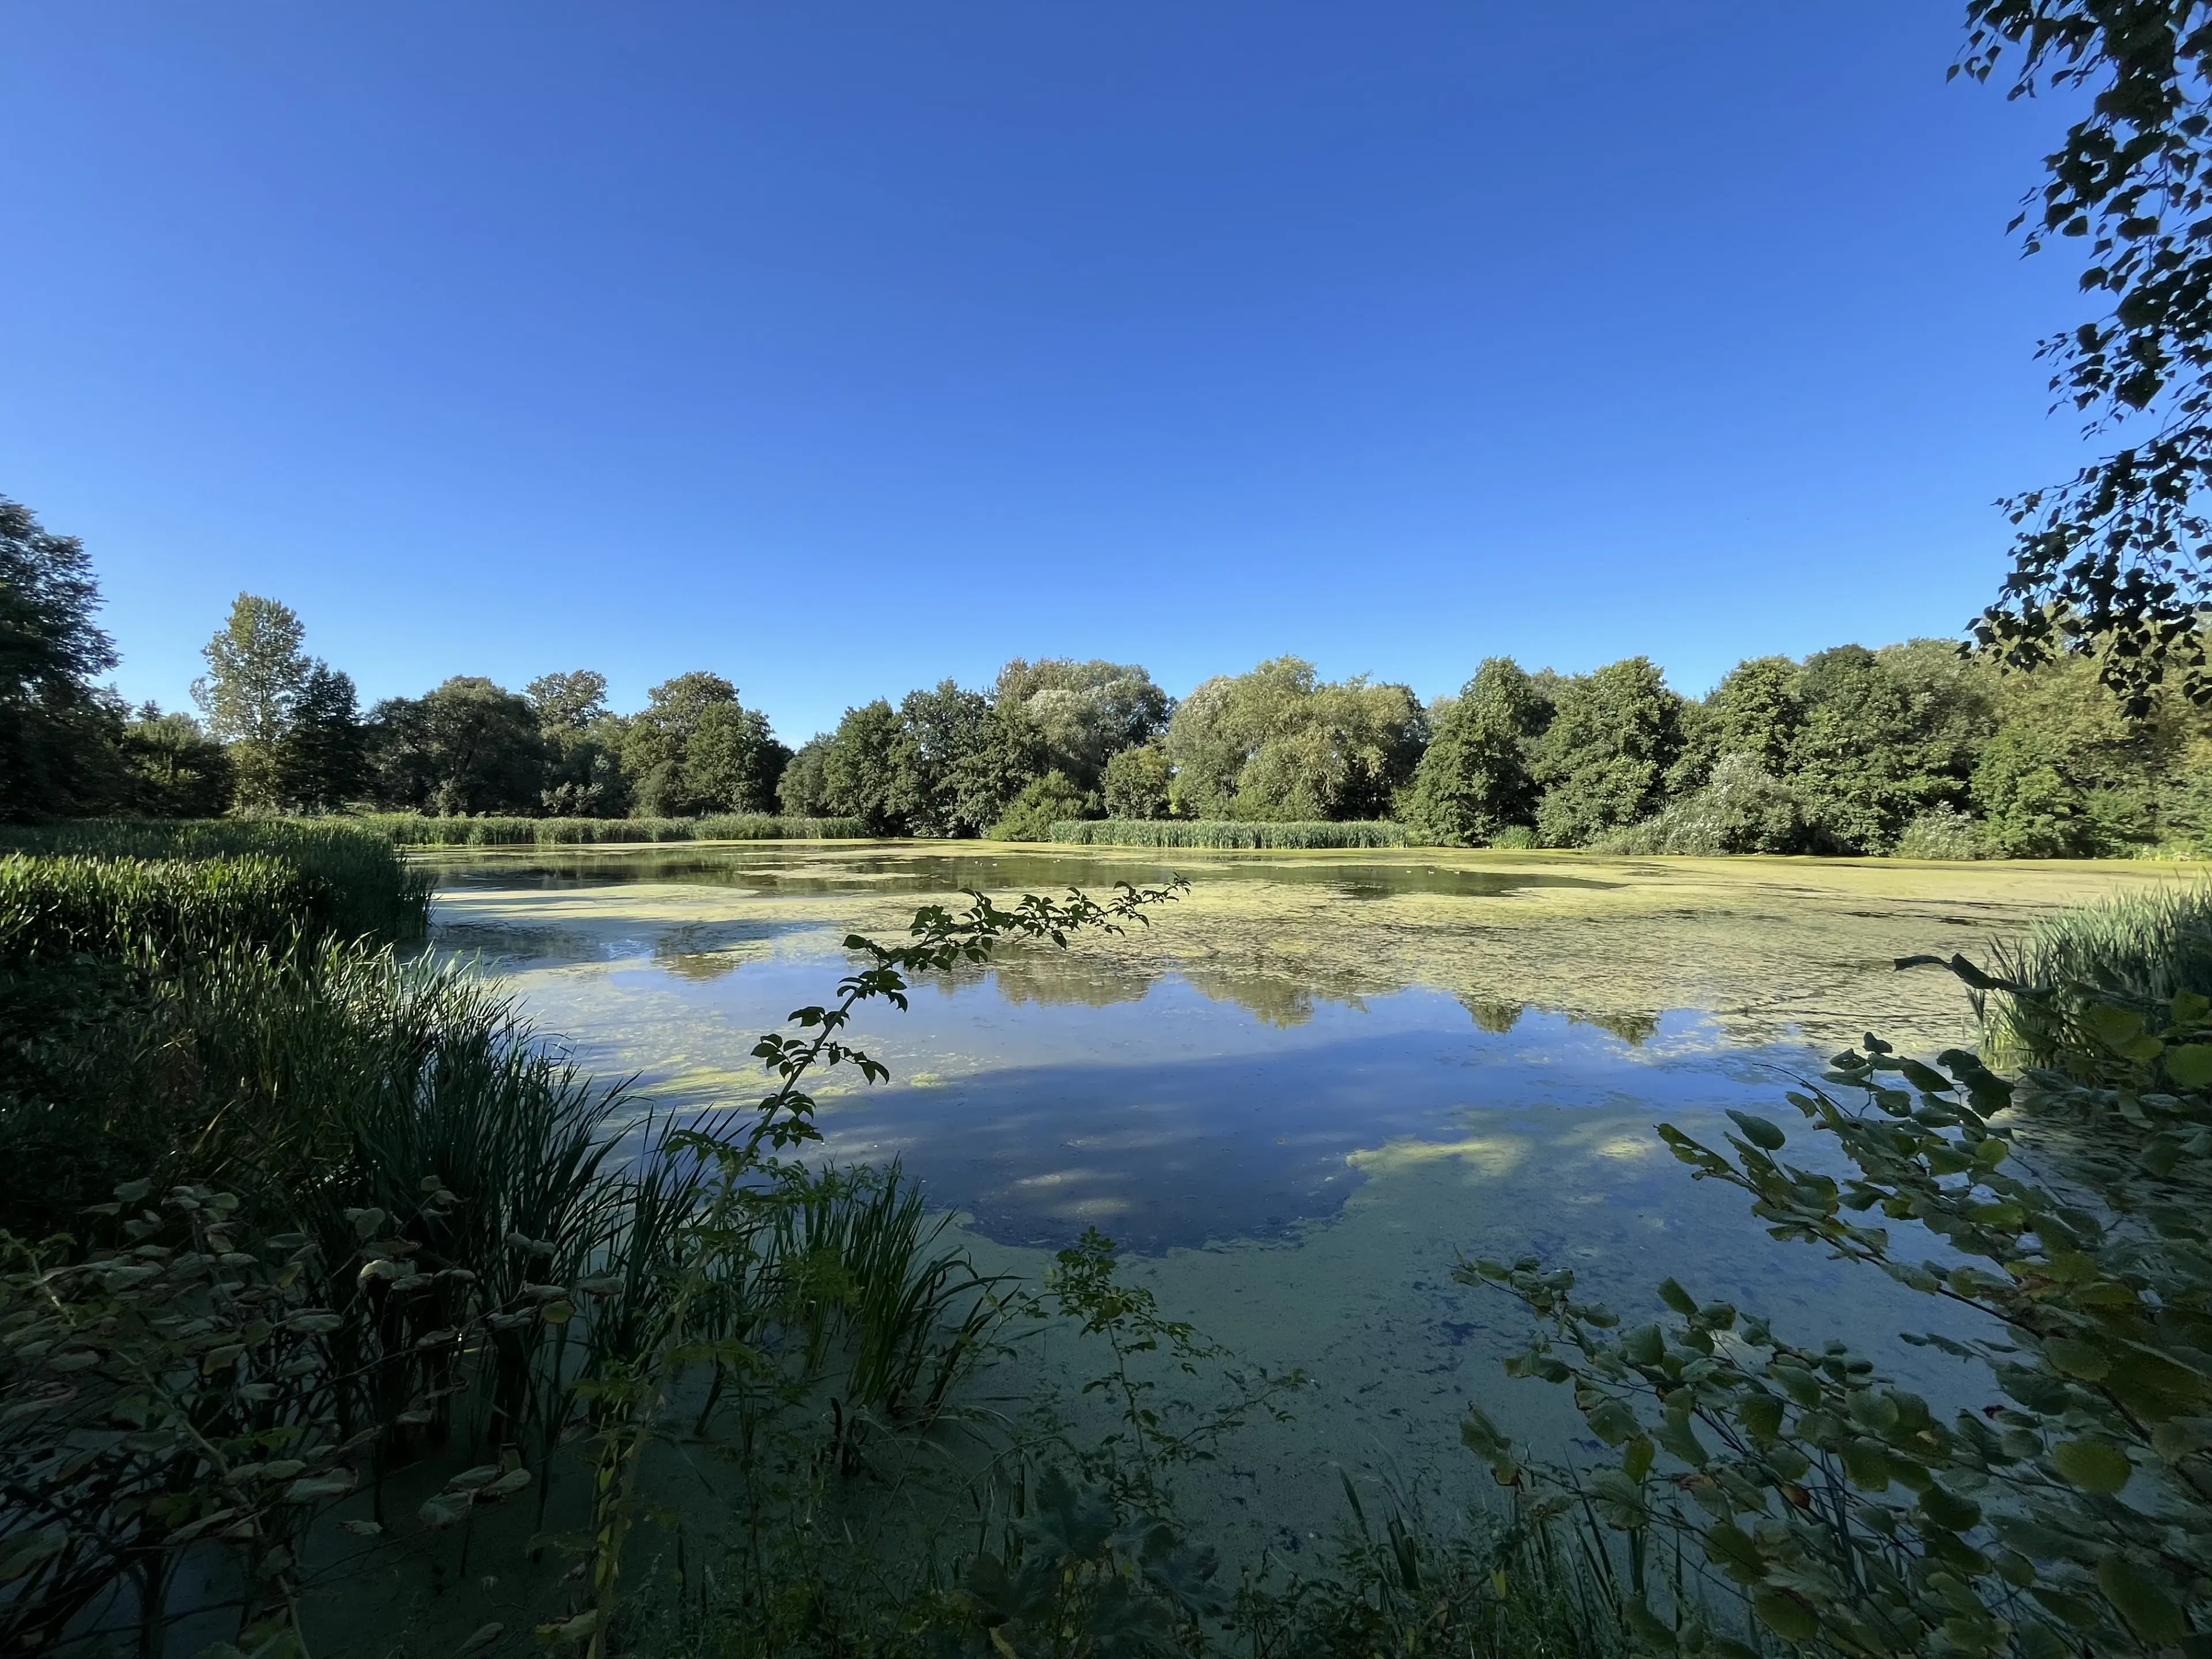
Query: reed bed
x,y
2139,949
72,905
1226,833
355,884
414,830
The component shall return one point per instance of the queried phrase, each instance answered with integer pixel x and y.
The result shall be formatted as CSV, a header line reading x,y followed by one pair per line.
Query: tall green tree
x,y
255,672
1859,757
1278,744
1083,713
868,768
1755,710
320,758
1474,779
569,702
172,769
58,736
1603,759
1139,782
2113,563
803,791
469,746
695,749
584,743
966,757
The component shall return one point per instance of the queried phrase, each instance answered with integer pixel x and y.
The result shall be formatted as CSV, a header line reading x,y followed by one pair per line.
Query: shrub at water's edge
x,y
415,830
1225,833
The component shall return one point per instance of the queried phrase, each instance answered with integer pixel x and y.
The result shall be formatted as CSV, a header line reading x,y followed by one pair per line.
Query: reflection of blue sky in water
x,y
1185,1118
1047,1094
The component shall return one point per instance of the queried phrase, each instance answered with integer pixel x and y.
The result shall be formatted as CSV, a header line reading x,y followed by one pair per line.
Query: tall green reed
x,y
413,830
356,885
2138,950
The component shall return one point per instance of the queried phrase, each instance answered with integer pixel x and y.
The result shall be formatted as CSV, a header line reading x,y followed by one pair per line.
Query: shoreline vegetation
x,y
1921,748
322,1269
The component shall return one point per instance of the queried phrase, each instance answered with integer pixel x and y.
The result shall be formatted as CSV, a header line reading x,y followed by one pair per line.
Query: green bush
x,y
1225,833
1941,832
1742,808
1037,812
414,830
2139,951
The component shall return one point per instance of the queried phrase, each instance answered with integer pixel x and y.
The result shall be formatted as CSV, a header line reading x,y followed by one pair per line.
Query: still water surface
x,y
1049,1093
1306,1091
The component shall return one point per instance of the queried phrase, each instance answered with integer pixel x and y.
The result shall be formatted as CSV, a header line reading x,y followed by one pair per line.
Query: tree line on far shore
x,y
1912,748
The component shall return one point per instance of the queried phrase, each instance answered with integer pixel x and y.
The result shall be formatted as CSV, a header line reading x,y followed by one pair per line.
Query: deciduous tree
x,y
57,735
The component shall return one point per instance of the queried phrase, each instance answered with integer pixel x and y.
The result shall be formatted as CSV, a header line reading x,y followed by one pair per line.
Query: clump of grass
x,y
1226,833
909,1302
70,906
356,885
414,829
2138,950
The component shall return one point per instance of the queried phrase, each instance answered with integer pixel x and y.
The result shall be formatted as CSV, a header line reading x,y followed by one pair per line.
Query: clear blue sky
x,y
841,347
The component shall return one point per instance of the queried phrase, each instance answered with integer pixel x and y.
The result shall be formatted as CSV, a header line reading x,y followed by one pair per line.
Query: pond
x,y
1307,1087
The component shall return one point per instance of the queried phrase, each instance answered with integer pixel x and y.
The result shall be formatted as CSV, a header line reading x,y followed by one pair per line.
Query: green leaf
x,y
2111,1025
2093,1464
1949,1510
1759,1132
1731,1547
1786,1616
1760,1415
2139,1597
1676,1435
2075,1357
445,1510
2189,1065
1867,1465
1611,1421
1635,1464
1676,1298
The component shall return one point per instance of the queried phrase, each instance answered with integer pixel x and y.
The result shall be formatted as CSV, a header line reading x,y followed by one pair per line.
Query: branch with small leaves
x,y
2071,1515
942,940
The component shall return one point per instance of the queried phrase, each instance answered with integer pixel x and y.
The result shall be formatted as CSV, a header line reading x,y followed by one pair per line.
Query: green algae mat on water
x,y
1308,1085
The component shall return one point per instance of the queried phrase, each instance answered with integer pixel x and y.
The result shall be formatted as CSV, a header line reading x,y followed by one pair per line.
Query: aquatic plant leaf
x,y
2189,1064
2139,1599
2095,1465
1785,1615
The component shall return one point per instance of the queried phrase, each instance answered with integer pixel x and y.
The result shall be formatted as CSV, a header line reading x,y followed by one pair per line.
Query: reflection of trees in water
x,y
1491,1015
1060,979
1050,978
1278,996
1272,998
700,952
1498,1017
1634,1030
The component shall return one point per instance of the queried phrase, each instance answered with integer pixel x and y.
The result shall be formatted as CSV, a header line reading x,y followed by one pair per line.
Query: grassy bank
x,y
412,830
1225,833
